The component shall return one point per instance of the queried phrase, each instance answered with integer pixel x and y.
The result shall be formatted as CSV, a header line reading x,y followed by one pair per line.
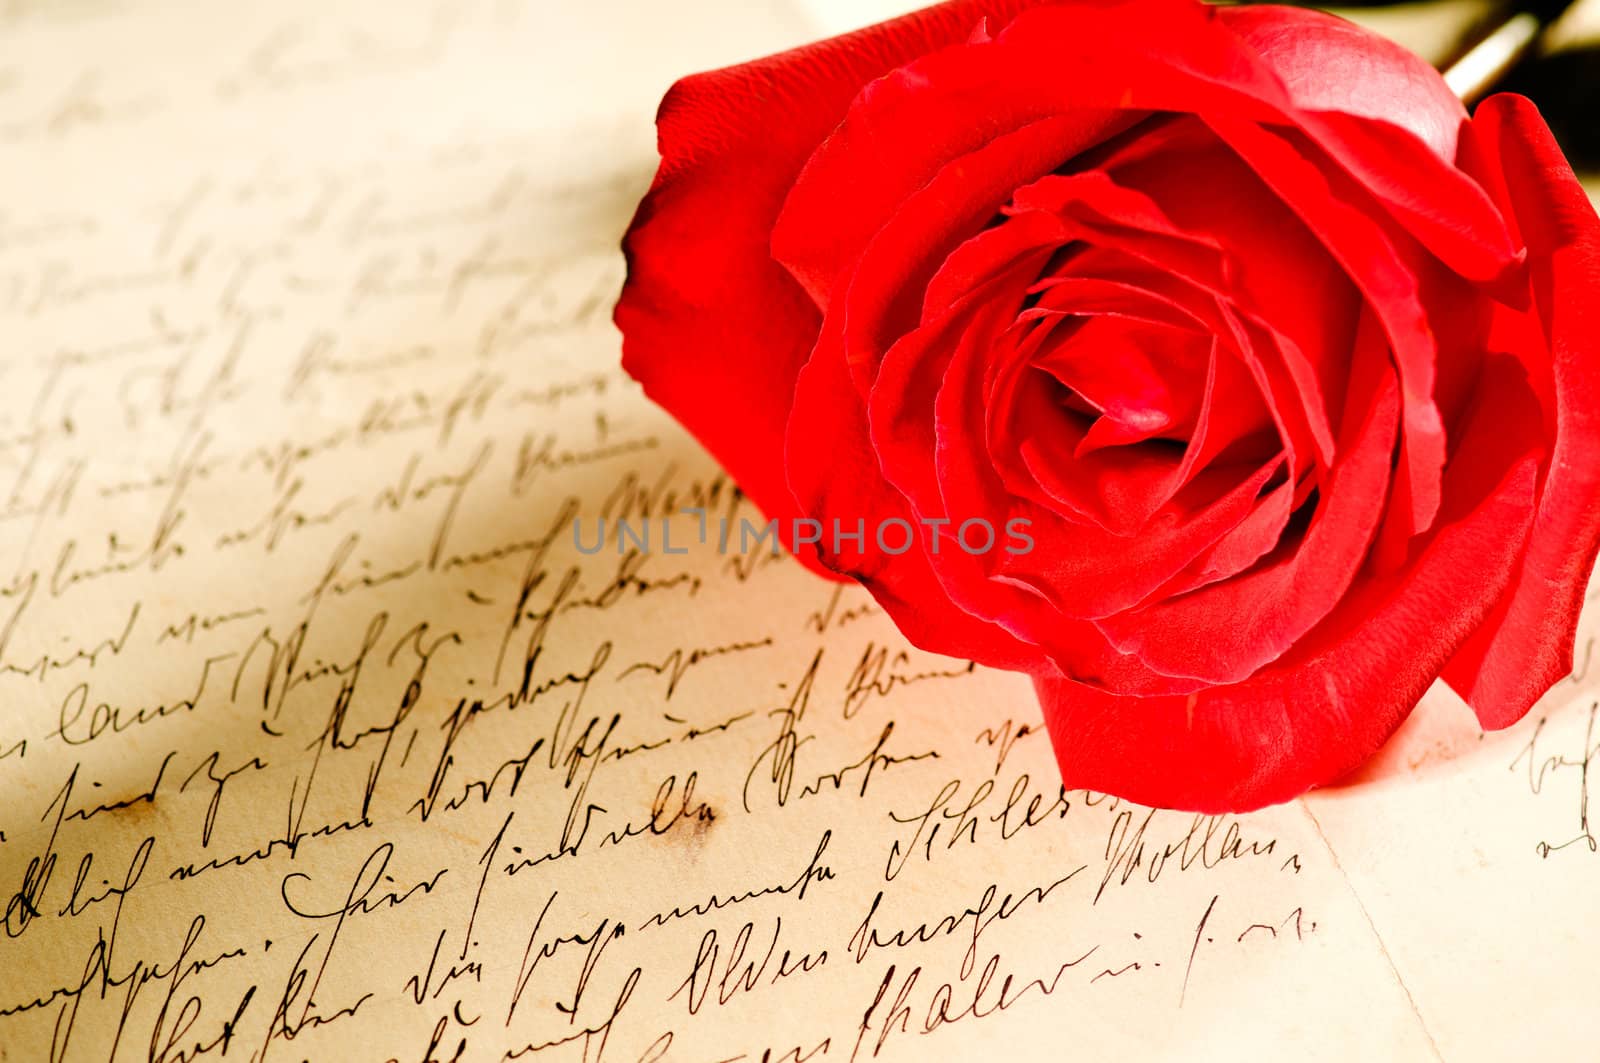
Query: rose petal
x,y
1330,64
706,313
1526,645
1390,120
830,432
1327,202
1323,709
1207,190
1256,617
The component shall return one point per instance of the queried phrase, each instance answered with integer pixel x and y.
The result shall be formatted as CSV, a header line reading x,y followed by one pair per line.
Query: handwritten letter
x,y
324,737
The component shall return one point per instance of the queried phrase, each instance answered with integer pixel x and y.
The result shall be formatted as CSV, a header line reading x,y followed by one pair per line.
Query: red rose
x,y
1286,367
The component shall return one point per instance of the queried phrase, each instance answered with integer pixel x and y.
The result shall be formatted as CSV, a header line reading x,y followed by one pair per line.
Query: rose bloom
x,y
1289,366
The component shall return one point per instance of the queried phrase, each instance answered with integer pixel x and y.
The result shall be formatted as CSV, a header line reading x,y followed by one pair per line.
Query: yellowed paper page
x,y
328,733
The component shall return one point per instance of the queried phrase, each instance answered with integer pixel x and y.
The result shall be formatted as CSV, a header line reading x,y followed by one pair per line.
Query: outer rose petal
x,y
1407,122
1324,709
706,313
1072,60
1526,645
1329,64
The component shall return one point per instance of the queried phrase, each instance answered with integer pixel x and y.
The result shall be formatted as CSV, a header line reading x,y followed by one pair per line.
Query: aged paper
x,y
322,738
